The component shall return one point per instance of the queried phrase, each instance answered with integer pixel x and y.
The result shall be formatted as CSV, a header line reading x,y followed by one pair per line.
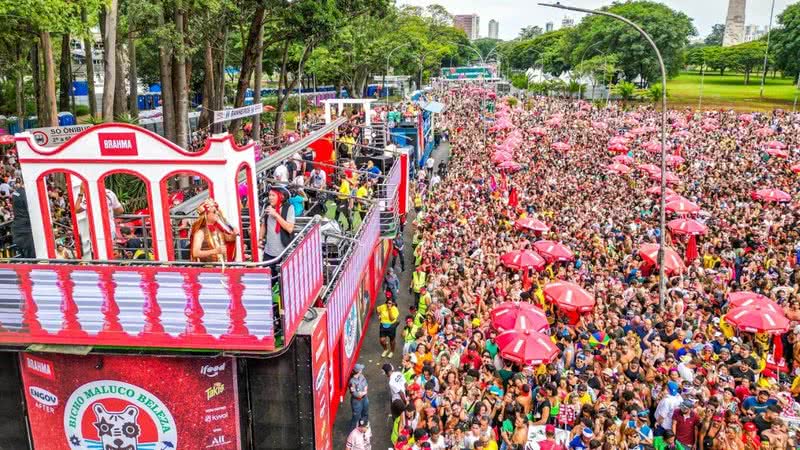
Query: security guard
x,y
418,279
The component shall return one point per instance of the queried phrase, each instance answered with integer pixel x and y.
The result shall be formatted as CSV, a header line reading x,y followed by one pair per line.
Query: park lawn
x,y
730,92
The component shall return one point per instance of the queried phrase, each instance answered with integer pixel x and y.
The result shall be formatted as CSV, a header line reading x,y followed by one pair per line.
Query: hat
x,y
587,432
549,428
672,387
387,368
608,372
363,422
358,368
687,404
750,426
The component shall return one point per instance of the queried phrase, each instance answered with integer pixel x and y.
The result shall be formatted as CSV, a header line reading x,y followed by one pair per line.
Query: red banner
x,y
118,144
131,402
320,365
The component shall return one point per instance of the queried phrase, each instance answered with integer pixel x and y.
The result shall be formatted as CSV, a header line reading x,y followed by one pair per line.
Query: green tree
x,y
747,57
529,32
626,90
715,37
547,50
669,29
487,46
786,40
718,58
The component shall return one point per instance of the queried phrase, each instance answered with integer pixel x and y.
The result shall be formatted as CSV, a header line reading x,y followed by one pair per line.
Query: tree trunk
x,y
257,82
219,89
110,59
37,79
338,87
20,88
89,47
167,98
65,74
120,95
206,114
50,106
283,77
248,62
179,74
133,78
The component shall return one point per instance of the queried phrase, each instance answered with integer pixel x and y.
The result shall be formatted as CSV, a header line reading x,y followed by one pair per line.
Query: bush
x,y
81,110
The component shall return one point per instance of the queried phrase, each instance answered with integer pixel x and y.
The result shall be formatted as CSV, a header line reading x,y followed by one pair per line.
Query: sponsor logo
x,y
218,441
215,414
212,371
350,332
118,144
111,414
214,390
39,367
43,396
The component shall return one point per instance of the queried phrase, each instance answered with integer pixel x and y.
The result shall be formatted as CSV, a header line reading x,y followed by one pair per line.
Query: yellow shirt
x,y
491,445
387,315
344,189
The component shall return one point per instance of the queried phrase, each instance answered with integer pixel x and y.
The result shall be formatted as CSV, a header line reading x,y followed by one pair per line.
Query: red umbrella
x,y
553,251
522,260
672,262
623,159
649,168
772,195
509,165
689,227
526,347
539,131
500,156
778,153
764,132
618,148
519,315
675,160
656,190
560,146
618,140
795,168
569,296
532,224
758,319
681,206
621,169
597,125
751,299
655,147
776,144
6,139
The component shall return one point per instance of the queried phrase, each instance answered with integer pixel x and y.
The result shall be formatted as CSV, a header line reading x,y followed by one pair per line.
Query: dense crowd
x,y
633,373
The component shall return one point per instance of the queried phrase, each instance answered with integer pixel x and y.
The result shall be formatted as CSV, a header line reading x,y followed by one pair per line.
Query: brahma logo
x,y
39,367
118,144
43,396
113,415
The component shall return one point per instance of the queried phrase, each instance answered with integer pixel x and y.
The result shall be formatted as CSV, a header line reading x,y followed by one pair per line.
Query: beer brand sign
x,y
118,144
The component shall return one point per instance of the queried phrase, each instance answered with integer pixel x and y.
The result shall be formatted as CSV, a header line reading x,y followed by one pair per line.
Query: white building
x,y
470,23
754,32
494,28
548,27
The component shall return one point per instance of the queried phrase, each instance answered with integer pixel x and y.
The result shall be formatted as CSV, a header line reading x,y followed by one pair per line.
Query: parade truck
x,y
104,350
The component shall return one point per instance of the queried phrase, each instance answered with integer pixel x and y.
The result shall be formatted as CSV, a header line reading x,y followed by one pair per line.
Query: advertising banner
x,y
322,389
131,402
301,279
55,136
238,113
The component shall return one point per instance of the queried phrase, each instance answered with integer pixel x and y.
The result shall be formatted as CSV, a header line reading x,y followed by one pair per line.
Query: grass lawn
x,y
730,92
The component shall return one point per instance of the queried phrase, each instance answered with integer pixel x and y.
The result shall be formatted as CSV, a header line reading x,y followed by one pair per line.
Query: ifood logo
x,y
212,371
43,396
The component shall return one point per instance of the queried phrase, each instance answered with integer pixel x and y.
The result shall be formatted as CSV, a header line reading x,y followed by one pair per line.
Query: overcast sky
x,y
515,14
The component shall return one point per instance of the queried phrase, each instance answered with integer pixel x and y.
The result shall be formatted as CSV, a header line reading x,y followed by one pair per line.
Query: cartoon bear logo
x,y
118,430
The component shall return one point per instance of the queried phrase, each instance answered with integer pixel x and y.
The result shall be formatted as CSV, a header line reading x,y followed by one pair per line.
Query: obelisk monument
x,y
734,23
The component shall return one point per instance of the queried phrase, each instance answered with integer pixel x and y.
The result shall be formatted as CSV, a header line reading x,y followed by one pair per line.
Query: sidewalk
x,y
379,417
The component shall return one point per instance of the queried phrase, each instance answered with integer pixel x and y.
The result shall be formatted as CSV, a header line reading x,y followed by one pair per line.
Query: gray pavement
x,y
379,416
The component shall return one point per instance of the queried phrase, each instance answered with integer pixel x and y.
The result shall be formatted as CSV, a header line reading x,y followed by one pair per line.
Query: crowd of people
x,y
636,372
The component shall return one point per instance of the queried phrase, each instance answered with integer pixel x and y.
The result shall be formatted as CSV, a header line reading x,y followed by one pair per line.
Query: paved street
x,y
380,418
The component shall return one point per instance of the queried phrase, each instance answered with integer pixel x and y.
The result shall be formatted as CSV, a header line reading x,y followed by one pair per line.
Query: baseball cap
x,y
358,367
687,404
549,428
672,387
750,426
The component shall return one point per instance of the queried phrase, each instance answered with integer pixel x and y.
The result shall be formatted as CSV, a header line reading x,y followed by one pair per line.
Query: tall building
x,y
754,32
734,23
567,22
494,28
548,27
470,23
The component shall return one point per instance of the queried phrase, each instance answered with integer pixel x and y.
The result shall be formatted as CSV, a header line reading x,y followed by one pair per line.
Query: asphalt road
x,y
379,416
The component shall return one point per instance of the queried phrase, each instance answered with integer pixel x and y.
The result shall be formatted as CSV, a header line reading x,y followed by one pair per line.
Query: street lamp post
x,y
702,79
583,55
662,217
766,51
387,67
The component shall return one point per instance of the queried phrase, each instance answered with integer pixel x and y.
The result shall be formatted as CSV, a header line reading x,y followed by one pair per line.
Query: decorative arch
x,y
167,206
252,206
101,190
44,208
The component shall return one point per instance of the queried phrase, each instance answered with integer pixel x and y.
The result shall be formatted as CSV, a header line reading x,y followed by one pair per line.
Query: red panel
x,y
89,401
216,308
118,144
323,419
324,152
